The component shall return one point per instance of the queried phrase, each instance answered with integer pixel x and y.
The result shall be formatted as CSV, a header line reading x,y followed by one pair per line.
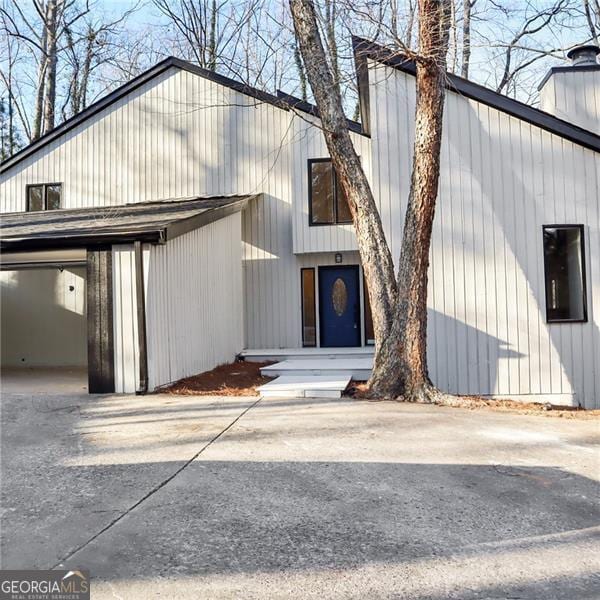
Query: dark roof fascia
x,y
285,103
81,240
202,219
298,104
364,50
150,234
566,69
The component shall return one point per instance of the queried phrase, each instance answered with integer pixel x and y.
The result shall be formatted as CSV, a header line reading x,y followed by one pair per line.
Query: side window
x,y
45,196
328,204
309,316
564,268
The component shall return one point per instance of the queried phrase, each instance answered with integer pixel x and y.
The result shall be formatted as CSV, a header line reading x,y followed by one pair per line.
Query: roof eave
x,y
369,50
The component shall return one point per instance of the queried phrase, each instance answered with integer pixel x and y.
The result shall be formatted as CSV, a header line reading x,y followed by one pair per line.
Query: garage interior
x,y
44,322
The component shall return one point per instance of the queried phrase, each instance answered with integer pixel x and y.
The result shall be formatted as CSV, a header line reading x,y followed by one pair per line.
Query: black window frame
x,y
581,229
367,309
44,187
314,307
335,195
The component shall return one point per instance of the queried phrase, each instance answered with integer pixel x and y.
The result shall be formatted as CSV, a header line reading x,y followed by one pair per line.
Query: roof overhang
x,y
282,100
147,222
365,50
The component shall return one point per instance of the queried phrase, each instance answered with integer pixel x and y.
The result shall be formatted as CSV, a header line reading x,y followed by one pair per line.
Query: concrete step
x,y
269,354
358,368
294,386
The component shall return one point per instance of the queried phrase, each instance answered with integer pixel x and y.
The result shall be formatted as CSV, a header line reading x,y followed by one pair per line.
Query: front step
x,y
290,386
358,368
275,354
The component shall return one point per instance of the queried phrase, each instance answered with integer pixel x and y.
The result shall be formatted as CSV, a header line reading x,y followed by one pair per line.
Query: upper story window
x,y
327,202
43,196
564,268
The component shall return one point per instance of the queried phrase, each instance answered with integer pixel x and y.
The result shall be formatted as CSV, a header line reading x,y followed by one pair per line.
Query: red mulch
x,y
240,378
358,391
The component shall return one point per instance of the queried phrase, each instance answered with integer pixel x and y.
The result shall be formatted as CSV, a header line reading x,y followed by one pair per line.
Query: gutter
x,y
141,317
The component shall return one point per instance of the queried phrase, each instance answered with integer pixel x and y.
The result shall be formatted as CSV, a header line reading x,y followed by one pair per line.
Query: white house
x,y
187,217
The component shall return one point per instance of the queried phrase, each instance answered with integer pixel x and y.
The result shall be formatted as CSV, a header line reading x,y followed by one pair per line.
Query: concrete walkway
x,y
185,497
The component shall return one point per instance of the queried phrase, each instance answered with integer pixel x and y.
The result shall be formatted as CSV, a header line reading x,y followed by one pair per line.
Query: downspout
x,y
141,317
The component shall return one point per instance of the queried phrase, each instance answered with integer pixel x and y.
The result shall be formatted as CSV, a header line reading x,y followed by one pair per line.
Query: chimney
x,y
572,92
584,56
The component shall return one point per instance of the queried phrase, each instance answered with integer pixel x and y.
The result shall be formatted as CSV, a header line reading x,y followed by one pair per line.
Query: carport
x,y
101,289
44,320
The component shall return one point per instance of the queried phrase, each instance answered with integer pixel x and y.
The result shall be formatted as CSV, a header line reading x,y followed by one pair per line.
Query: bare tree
x,y
41,30
399,305
207,30
466,37
591,9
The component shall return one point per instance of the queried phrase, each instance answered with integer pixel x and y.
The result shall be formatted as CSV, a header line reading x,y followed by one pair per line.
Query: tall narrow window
x,y
45,196
369,331
328,204
309,318
564,267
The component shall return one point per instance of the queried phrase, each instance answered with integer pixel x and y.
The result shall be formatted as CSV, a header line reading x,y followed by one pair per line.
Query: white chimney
x,y
572,93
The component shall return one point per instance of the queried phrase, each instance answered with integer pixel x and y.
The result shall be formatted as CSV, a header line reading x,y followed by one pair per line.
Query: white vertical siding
x,y
501,180
181,135
194,302
311,144
125,324
574,96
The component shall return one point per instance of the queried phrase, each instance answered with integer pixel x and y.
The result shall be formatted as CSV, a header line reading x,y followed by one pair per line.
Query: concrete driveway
x,y
186,497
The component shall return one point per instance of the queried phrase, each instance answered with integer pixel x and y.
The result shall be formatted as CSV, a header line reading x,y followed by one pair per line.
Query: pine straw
x,y
358,391
240,378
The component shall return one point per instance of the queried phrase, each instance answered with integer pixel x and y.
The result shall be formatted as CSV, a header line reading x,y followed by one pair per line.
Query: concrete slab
x,y
298,386
39,380
301,498
359,368
265,354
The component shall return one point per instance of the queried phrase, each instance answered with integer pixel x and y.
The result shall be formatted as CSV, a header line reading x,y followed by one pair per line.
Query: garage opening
x,y
44,330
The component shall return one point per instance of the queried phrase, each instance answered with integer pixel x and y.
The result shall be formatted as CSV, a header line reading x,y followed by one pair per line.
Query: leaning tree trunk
x,y
402,367
51,50
372,246
399,308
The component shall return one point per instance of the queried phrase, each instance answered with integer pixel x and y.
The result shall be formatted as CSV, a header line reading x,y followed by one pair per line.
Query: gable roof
x,y
151,222
365,50
282,100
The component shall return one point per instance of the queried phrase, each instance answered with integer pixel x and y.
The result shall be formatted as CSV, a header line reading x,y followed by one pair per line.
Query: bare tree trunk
x,y
212,38
51,49
301,74
590,20
38,110
399,309
372,246
402,370
466,35
330,17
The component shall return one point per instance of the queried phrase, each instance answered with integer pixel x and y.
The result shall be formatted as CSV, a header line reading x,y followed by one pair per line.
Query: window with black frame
x,y
327,201
309,312
564,268
43,196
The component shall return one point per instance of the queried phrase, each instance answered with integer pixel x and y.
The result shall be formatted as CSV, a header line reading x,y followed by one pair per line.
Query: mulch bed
x,y
240,378
358,391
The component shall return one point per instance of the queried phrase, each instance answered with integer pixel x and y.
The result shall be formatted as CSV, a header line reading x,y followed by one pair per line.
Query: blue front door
x,y
339,306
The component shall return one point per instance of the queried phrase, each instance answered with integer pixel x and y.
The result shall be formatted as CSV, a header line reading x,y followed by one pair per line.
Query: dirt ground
x,y
240,378
357,390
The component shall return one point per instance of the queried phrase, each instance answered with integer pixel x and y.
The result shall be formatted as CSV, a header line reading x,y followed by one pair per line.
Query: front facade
x,y
179,132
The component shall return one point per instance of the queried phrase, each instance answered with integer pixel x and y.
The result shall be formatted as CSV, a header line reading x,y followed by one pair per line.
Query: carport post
x,y
101,367
141,317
